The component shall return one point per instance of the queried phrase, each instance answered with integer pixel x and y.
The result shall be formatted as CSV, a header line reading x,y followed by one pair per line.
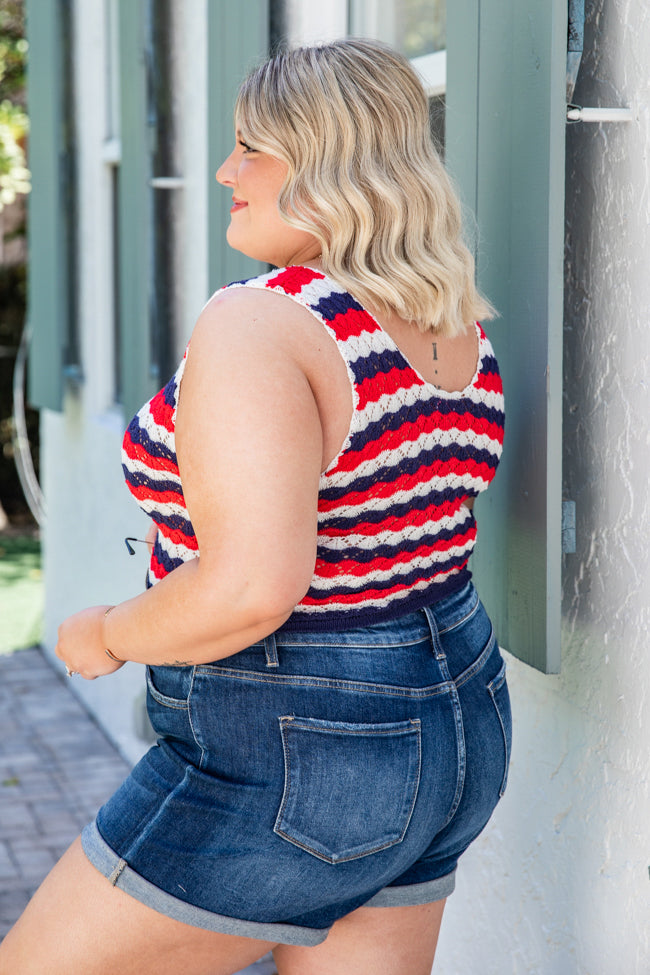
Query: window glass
x,y
414,27
418,29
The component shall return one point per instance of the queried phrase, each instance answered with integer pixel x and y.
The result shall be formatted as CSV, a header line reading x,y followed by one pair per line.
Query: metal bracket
x,y
568,527
575,113
167,182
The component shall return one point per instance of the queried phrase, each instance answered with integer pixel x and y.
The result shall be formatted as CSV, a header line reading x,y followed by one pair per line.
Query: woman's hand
x,y
81,644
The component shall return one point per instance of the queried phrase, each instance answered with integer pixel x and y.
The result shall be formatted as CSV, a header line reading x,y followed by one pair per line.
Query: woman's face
x,y
256,227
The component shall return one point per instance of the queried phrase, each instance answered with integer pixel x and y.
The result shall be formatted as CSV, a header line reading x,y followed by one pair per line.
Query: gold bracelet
x,y
106,650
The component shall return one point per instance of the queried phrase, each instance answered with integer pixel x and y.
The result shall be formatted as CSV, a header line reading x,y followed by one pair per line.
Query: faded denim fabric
x,y
313,773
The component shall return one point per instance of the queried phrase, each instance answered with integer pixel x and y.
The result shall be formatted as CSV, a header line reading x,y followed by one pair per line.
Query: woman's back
x,y
403,457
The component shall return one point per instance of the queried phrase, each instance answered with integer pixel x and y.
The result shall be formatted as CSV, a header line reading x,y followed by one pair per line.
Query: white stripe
x,y
375,602
394,572
334,543
136,466
468,483
165,510
176,551
410,449
376,410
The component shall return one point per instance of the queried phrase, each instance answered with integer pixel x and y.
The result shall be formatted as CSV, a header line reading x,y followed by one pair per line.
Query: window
x,y
418,29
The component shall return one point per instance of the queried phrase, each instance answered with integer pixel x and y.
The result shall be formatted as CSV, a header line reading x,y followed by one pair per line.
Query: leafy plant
x,y
14,124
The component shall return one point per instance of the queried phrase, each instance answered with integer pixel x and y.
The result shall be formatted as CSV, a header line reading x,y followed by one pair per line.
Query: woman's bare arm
x,y
249,446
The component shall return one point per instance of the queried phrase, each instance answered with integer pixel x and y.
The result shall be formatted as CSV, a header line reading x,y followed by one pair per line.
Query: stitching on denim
x,y
391,690
464,619
191,722
176,703
461,754
288,721
493,687
284,720
285,644
473,669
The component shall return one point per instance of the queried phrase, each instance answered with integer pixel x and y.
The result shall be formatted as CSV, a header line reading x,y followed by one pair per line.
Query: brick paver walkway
x,y
56,769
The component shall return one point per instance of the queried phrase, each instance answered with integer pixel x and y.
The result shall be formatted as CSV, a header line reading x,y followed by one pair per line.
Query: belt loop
x,y
435,637
271,651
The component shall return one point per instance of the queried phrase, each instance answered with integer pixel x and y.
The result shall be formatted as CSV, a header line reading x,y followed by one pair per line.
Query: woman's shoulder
x,y
257,308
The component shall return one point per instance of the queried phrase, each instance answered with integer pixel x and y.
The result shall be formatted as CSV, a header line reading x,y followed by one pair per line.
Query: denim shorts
x,y
313,773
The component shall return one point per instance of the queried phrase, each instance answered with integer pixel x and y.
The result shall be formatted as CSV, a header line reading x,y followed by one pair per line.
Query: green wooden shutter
x,y
134,208
506,63
238,39
51,220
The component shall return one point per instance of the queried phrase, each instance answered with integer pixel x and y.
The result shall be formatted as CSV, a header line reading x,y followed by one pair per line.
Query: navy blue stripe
x,y
407,580
345,523
405,414
142,479
335,303
169,392
411,465
176,523
165,560
154,448
354,553
370,365
342,618
489,366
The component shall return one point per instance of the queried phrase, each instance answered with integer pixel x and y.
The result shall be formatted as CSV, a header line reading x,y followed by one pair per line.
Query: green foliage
x,y
14,124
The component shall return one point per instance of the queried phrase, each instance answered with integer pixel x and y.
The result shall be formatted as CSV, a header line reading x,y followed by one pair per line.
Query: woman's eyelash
x,y
247,148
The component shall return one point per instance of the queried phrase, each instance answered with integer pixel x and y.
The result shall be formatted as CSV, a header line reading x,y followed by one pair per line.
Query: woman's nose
x,y
226,172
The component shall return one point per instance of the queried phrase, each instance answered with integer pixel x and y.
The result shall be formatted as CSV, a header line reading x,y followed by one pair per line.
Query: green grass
x,y
21,592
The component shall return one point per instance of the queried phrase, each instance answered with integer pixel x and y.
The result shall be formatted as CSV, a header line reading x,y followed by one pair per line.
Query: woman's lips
x,y
237,205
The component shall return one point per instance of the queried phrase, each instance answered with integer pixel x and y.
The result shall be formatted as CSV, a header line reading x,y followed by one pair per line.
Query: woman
x,y
330,699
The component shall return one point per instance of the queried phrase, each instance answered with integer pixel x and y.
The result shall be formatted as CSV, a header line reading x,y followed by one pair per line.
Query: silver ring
x,y
70,673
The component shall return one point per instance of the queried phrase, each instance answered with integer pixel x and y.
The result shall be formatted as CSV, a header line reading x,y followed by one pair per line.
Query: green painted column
x,y
49,307
134,209
505,146
238,40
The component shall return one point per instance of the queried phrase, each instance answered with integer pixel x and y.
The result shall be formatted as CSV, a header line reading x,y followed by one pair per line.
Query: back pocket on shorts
x,y
349,789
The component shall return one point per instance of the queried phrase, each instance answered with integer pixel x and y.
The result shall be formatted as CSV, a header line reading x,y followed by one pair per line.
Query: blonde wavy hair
x,y
351,121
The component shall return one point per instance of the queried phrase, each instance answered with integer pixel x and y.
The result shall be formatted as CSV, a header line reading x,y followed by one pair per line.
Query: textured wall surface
x,y
559,883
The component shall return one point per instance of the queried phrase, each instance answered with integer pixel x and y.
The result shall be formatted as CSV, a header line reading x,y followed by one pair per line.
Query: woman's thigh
x,y
371,941
79,924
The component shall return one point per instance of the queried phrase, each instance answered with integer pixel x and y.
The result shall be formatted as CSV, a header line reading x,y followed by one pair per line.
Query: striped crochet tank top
x,y
393,532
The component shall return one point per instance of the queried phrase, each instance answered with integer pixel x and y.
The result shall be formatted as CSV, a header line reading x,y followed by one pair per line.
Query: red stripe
x,y
329,570
147,492
490,382
387,489
162,412
429,516
352,599
293,279
138,453
386,384
157,569
352,323
410,432
178,537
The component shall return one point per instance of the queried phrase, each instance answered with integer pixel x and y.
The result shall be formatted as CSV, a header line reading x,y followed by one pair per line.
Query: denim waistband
x,y
447,613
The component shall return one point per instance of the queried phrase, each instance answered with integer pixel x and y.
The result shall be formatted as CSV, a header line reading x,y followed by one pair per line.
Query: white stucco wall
x,y
559,883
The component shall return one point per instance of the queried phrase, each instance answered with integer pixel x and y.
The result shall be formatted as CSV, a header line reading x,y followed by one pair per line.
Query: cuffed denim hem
x,y
118,872
411,895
